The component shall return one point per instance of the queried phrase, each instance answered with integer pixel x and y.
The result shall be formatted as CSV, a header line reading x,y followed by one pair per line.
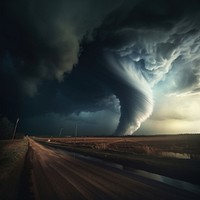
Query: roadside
x,y
25,190
182,169
57,174
12,157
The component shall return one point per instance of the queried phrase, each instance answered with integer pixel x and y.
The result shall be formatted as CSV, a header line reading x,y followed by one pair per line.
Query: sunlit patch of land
x,y
177,156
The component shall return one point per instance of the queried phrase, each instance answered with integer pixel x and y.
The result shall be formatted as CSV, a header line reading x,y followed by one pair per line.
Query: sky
x,y
111,67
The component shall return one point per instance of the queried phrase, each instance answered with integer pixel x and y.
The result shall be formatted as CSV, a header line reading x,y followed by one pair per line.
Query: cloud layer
x,y
117,55
42,37
142,48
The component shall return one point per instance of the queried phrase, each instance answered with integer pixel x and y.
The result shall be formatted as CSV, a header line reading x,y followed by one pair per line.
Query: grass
x,y
12,154
148,145
140,152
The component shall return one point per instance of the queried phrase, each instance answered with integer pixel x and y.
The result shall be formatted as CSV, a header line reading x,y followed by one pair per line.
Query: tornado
x,y
141,49
118,62
132,89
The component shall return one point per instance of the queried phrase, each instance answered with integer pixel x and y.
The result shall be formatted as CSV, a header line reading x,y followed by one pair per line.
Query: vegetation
x,y
176,156
6,128
146,145
12,154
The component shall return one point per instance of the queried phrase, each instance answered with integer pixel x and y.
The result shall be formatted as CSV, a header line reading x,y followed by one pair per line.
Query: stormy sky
x,y
113,67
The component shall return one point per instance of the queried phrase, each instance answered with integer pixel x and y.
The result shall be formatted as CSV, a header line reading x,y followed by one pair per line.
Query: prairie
x,y
12,155
176,156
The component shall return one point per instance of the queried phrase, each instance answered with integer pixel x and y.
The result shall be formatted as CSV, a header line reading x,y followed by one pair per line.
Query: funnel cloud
x,y
113,62
133,91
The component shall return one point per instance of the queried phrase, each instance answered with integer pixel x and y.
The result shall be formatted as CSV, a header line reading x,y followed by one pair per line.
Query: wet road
x,y
58,175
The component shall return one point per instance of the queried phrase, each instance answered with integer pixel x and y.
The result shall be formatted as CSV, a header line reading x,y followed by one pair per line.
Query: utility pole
x,y
75,134
76,129
60,131
16,123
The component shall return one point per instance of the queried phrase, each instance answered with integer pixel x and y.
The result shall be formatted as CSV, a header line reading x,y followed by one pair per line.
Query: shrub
x,y
6,128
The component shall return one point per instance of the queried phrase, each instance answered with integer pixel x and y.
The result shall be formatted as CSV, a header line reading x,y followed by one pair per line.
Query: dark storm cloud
x,y
136,48
43,37
40,42
127,48
88,123
10,90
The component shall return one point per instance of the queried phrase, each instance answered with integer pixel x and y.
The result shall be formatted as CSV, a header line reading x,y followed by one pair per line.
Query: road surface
x,y
56,175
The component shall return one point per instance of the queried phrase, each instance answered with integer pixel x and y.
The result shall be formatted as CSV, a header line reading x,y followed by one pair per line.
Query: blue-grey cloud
x,y
42,37
89,123
116,53
140,48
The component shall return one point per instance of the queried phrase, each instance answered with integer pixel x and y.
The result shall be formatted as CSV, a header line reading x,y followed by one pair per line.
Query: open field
x,y
59,175
189,144
12,155
54,168
176,156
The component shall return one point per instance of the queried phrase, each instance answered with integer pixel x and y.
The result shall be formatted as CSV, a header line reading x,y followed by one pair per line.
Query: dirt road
x,y
54,174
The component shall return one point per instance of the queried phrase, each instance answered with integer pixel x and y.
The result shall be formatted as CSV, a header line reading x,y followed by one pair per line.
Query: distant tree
x,y
19,135
6,128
